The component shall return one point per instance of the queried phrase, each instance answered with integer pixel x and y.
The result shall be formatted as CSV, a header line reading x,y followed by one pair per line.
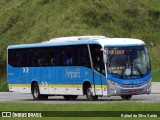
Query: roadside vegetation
x,y
32,21
136,108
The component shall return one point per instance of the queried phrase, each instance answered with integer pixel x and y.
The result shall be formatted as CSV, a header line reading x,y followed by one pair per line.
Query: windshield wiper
x,y
138,69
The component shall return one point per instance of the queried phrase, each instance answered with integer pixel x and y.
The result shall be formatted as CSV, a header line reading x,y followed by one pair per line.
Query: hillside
x,y
31,21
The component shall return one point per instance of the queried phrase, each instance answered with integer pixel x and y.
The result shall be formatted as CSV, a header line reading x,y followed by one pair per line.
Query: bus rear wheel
x,y
36,94
126,97
90,96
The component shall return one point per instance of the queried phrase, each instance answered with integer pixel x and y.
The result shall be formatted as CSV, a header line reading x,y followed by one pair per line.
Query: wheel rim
x,y
89,93
36,92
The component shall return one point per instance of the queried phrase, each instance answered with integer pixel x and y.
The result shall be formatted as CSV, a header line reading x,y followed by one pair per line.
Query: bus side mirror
x,y
104,55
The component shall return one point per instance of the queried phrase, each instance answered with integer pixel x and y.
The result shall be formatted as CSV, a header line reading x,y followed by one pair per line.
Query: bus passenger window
x,y
59,53
84,56
16,59
40,62
30,57
51,57
68,58
13,57
53,61
41,57
69,61
19,58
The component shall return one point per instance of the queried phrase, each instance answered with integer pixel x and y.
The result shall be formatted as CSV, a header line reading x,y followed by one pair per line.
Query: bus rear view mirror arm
x,y
104,55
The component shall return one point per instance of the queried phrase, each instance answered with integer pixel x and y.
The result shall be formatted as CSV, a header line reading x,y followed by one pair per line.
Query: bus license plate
x,y
132,92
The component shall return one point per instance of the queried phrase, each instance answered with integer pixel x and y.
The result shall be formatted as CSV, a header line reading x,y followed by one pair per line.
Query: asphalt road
x,y
19,97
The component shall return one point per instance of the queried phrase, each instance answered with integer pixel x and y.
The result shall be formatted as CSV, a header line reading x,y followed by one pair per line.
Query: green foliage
x,y
31,21
120,106
3,83
95,106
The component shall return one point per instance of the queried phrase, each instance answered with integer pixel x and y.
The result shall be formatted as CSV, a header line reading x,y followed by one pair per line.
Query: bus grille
x,y
132,86
131,91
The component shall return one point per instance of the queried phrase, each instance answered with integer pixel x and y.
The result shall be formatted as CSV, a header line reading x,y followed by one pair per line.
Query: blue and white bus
x,y
80,65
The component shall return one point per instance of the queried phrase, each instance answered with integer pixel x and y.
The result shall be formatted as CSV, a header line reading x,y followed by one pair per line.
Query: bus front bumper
x,y
117,89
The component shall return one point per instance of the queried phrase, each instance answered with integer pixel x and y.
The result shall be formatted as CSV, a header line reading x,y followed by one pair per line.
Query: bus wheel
x,y
126,97
90,96
35,92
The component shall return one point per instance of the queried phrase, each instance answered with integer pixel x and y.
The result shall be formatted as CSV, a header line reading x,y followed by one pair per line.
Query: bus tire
x,y
126,97
36,94
90,96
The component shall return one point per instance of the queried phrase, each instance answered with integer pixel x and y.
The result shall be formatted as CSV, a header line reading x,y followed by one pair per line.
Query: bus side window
x,y
24,58
97,58
30,57
19,58
83,56
52,58
44,58
59,55
73,55
40,59
41,56
68,58
16,57
12,58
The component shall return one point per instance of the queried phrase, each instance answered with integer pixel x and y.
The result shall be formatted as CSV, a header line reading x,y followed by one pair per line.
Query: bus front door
x,y
97,83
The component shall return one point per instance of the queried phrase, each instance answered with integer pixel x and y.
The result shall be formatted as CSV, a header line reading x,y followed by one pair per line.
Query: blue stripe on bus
x,y
51,75
64,75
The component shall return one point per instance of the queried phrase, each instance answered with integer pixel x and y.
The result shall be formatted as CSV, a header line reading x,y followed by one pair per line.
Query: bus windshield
x,y
128,61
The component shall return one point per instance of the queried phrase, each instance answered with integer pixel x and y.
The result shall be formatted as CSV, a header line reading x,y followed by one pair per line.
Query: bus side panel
x,y
68,80
51,80
17,81
85,74
39,75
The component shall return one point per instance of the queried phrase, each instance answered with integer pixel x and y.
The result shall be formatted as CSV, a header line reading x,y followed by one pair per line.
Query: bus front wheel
x,y
36,94
90,96
126,97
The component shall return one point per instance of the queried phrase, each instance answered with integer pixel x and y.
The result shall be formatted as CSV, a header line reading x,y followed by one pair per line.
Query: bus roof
x,y
81,40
